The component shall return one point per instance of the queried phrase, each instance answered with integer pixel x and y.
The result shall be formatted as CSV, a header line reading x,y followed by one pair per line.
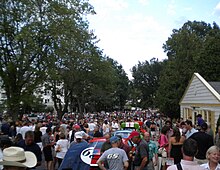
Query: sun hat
x,y
78,135
114,139
133,134
16,156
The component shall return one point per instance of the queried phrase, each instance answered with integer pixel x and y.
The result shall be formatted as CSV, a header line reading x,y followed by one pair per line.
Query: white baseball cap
x,y
78,135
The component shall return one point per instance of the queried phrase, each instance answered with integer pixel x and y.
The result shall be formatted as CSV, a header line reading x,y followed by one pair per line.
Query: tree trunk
x,y
79,105
13,113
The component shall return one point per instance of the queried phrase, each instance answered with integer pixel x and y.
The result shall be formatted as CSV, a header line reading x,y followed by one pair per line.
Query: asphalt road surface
x,y
43,164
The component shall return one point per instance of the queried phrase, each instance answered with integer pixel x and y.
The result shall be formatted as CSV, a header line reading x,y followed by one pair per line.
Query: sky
x,y
132,31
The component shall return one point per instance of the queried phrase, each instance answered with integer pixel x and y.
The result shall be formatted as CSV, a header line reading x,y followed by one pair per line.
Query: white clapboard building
x,y
201,97
42,92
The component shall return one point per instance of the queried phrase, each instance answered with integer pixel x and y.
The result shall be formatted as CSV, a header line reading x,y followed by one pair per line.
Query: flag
x,y
78,157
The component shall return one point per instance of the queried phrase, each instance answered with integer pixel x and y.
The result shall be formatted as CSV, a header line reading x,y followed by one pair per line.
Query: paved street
x,y
43,165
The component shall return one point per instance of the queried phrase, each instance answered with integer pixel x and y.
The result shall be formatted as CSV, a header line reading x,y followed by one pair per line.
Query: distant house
x,y
41,92
201,97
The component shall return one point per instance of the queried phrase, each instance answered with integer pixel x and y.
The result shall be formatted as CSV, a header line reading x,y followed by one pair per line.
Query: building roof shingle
x,y
215,85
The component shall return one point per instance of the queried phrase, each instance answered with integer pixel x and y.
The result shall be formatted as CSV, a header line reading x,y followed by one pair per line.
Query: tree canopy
x,y
192,48
45,43
146,81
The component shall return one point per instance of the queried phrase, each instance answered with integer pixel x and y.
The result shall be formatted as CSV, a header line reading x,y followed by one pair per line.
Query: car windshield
x,y
97,145
123,134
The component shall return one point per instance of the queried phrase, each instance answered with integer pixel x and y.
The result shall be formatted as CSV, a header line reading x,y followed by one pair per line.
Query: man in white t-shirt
x,y
24,129
92,126
43,129
115,125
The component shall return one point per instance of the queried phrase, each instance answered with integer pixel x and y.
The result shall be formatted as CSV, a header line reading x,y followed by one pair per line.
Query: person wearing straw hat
x,y
28,144
15,158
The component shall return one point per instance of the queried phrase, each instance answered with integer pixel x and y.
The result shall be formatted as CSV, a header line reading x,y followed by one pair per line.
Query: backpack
x,y
72,136
179,167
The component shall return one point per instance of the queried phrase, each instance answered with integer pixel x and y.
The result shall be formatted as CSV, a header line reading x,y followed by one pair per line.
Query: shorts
x,y
48,153
163,161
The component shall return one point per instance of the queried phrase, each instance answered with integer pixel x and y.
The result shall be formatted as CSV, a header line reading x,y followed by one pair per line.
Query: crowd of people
x,y
158,144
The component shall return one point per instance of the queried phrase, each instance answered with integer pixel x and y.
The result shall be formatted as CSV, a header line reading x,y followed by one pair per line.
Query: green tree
x,y
33,35
88,82
208,64
121,92
146,81
167,94
78,57
183,50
